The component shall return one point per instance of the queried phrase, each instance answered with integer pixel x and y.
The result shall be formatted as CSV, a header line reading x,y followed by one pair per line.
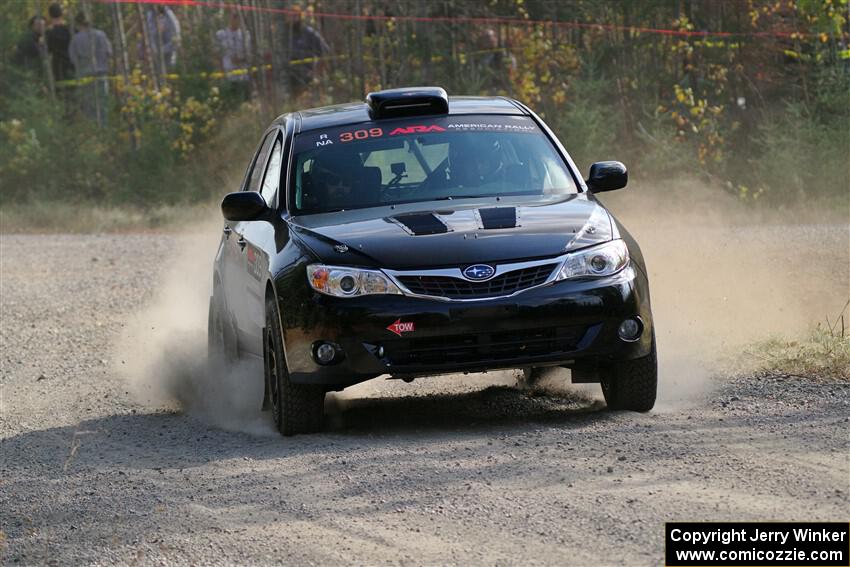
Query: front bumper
x,y
564,323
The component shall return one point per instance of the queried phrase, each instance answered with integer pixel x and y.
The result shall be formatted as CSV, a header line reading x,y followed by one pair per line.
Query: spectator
x,y
58,37
496,63
90,51
163,29
29,49
307,47
234,45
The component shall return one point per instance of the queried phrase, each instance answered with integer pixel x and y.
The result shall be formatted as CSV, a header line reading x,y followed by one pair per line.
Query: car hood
x,y
454,233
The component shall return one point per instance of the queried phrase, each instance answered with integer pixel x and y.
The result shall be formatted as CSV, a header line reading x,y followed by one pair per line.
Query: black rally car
x,y
417,234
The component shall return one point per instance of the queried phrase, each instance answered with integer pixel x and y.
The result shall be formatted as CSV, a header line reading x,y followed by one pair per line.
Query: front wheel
x,y
297,408
632,384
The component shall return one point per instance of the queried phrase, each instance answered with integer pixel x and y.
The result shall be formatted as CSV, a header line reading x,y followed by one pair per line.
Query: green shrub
x,y
590,123
44,156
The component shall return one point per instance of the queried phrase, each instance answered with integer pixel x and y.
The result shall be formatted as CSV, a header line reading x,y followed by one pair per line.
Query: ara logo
x,y
400,327
479,272
418,129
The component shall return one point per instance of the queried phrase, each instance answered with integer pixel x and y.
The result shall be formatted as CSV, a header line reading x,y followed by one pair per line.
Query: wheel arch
x,y
271,293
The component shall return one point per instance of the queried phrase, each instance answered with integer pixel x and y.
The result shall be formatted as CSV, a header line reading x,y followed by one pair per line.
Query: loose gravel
x,y
449,470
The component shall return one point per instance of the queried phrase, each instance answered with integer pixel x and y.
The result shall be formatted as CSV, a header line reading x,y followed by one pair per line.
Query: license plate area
x,y
484,348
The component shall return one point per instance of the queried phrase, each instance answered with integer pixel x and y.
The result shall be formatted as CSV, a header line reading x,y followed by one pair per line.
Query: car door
x,y
230,257
234,264
259,239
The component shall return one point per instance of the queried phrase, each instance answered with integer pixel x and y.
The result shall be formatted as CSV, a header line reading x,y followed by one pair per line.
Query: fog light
x,y
630,329
325,353
380,352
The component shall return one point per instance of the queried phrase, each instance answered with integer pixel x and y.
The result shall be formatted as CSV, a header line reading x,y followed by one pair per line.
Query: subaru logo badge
x,y
479,272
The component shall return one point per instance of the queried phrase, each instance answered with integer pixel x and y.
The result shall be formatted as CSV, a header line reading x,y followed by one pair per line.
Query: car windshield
x,y
424,159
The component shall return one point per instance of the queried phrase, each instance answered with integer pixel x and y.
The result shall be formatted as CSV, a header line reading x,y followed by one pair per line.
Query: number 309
x,y
361,134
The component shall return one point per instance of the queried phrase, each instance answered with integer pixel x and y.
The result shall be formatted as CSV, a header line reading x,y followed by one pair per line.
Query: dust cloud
x,y
724,275
721,275
163,349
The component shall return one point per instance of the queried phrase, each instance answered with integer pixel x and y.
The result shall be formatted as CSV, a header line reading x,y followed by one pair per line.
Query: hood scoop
x,y
420,224
498,217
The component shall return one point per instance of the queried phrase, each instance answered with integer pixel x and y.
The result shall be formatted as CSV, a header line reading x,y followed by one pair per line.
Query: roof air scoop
x,y
412,101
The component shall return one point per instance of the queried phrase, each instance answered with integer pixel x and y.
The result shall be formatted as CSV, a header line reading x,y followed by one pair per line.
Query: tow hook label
x,y
400,327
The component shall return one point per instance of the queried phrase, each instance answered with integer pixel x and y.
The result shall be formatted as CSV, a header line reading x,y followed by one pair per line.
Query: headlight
x,y
597,261
349,282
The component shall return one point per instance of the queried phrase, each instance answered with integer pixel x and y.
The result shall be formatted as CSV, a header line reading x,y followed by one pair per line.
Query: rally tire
x,y
221,342
632,384
296,408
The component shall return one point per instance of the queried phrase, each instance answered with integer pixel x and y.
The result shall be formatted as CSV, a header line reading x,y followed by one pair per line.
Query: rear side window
x,y
271,180
423,159
258,167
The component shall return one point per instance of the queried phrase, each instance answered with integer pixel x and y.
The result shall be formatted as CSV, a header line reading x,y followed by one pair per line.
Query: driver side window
x,y
271,179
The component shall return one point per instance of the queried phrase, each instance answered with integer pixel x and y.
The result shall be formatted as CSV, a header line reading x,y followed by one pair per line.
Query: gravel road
x,y
448,470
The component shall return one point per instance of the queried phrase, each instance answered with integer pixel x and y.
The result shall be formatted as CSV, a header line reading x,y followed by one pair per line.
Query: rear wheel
x,y
297,408
221,344
632,384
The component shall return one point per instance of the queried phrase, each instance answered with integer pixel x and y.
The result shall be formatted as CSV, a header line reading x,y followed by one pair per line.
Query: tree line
x,y
746,93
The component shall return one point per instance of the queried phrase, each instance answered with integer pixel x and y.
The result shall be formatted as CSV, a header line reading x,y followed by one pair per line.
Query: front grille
x,y
457,288
486,348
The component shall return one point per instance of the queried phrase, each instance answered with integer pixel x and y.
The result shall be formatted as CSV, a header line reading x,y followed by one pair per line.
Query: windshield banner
x,y
416,126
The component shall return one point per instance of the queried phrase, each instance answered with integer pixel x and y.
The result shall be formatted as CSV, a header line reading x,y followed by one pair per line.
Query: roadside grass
x,y
84,216
56,217
169,199
823,354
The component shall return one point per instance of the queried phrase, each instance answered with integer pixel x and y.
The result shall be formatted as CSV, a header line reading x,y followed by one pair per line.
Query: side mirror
x,y
243,206
607,176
